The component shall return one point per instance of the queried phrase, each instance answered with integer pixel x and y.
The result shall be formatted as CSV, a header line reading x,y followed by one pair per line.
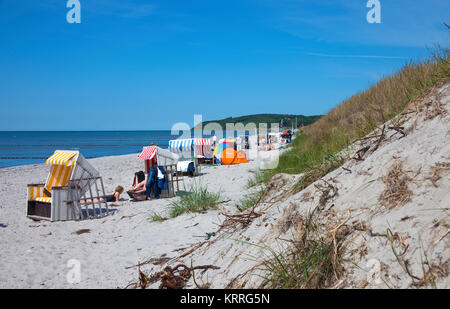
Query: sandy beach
x,y
353,200
35,254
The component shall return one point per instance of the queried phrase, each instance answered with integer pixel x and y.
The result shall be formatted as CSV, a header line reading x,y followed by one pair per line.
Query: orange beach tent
x,y
231,156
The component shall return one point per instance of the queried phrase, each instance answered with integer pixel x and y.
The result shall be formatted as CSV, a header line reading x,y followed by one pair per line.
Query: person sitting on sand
x,y
140,187
113,197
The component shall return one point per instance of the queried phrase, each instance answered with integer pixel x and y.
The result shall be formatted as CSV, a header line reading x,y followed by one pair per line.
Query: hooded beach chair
x,y
71,177
190,150
167,160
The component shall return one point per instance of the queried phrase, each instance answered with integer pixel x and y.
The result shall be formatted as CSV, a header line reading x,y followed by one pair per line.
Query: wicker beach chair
x,y
165,159
71,177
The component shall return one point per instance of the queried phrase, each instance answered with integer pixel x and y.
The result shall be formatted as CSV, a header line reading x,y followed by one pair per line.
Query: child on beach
x,y
113,197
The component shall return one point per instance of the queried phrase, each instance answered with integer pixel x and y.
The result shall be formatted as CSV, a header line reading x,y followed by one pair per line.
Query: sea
x,y
34,147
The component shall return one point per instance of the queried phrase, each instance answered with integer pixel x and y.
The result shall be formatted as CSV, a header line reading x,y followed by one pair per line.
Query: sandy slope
x,y
420,226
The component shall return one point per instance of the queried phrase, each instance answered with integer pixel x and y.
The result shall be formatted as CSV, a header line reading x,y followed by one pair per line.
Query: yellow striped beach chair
x,y
53,200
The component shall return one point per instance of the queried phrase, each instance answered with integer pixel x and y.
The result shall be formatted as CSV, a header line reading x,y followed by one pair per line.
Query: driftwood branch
x,y
400,130
170,278
360,153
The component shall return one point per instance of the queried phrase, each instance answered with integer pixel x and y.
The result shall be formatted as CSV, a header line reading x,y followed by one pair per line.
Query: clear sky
x,y
138,64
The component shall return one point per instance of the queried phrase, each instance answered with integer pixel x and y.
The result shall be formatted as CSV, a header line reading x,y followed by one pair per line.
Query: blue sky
x,y
141,64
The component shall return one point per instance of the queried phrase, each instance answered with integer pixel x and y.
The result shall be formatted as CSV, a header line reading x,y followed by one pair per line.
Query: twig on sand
x,y
192,250
347,169
339,284
170,278
360,153
367,138
244,218
382,136
155,261
442,237
326,196
400,130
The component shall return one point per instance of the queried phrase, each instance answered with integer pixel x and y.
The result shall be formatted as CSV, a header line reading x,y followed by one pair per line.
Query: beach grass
x,y
313,261
252,199
154,217
316,146
197,200
256,179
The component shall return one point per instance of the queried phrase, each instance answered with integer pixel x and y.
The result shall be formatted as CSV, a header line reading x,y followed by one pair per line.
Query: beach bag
x,y
137,197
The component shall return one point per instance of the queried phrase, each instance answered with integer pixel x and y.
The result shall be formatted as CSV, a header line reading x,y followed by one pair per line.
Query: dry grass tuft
x,y
437,170
396,192
432,272
315,258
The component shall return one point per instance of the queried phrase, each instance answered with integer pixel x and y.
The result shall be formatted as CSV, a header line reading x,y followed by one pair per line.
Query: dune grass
x,y
251,199
314,262
256,179
154,217
197,200
316,146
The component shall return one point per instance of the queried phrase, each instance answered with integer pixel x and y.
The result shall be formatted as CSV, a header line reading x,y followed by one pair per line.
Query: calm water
x,y
20,148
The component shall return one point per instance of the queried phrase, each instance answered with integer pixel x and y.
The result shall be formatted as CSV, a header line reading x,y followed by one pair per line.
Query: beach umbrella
x,y
221,147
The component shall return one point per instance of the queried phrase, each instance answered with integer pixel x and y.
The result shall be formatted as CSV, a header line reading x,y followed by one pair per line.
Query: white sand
x,y
34,254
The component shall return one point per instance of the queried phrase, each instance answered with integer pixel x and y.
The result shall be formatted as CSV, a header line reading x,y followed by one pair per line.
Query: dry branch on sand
x,y
328,192
155,261
244,218
396,191
170,278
